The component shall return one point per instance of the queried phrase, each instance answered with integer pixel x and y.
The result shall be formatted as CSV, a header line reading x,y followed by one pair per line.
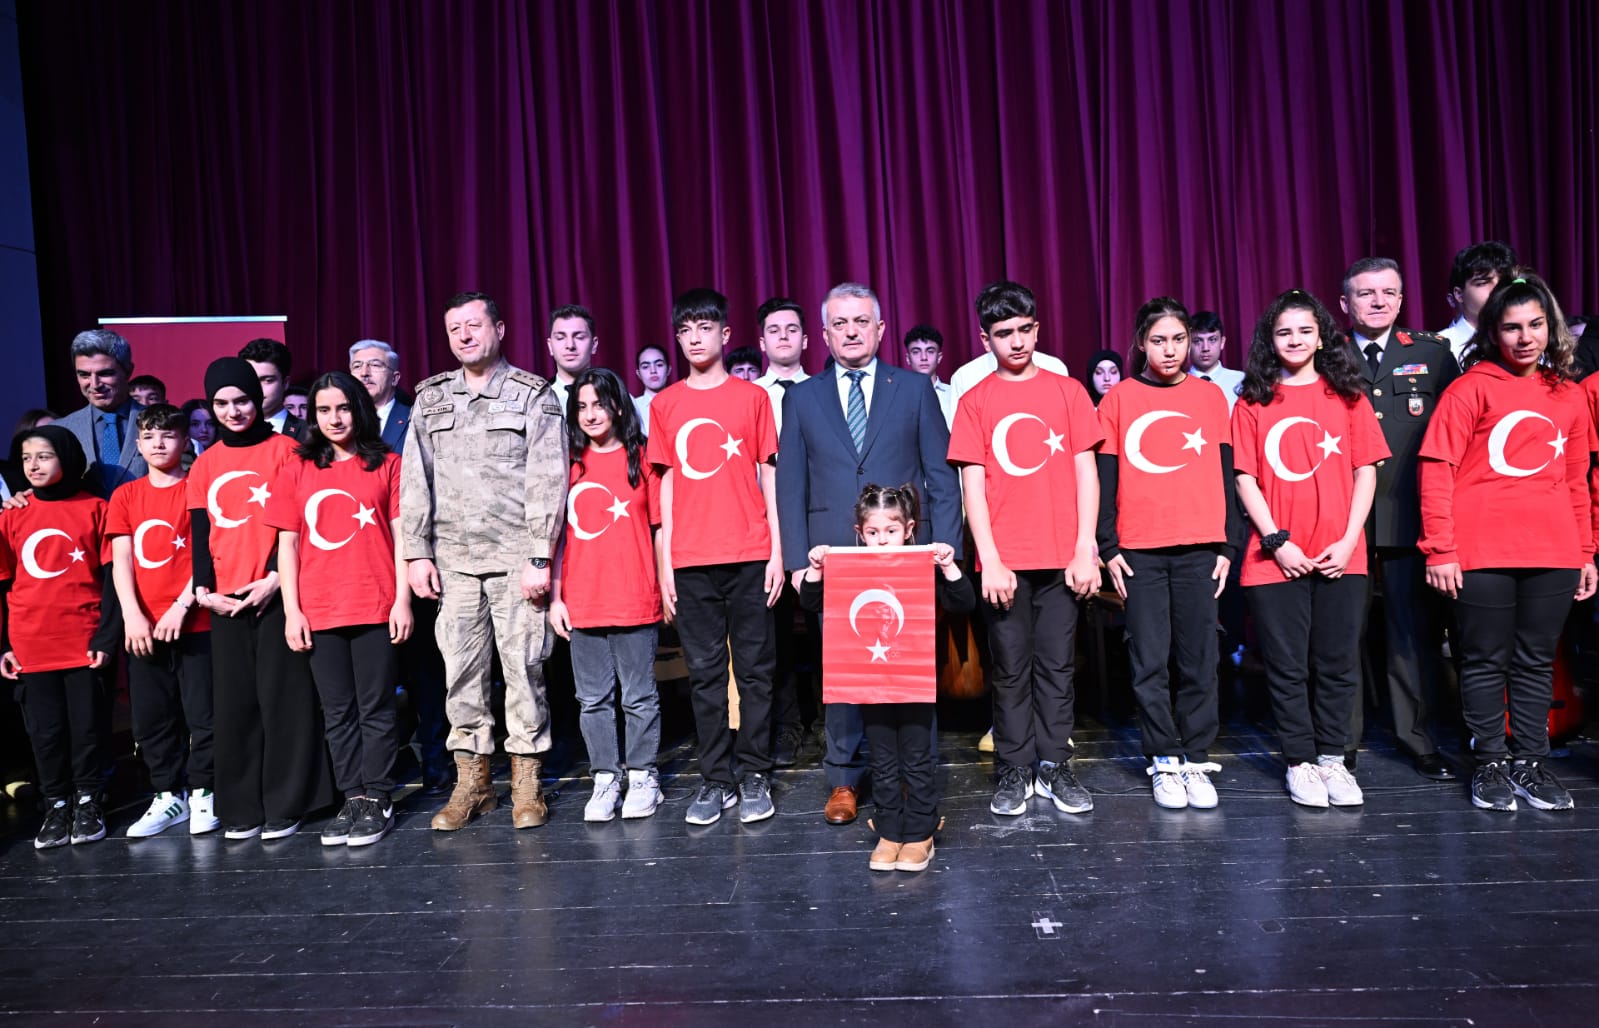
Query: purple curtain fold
x,y
351,163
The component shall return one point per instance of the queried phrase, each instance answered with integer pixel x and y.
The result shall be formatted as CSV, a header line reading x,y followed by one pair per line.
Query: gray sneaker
x,y
709,803
1057,782
754,798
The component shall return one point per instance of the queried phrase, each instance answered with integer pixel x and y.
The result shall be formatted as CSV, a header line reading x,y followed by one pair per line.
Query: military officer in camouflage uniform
x,y
1405,373
482,493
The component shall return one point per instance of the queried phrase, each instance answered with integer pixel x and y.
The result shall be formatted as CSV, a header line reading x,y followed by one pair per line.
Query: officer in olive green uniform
x,y
1405,373
482,493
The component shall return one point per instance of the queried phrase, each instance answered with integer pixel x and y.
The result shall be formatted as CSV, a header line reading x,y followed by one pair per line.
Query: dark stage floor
x,y
1416,909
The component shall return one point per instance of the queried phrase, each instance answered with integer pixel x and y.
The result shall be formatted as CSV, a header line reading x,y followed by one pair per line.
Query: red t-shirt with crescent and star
x,y
344,516
608,575
1303,449
713,440
53,551
234,485
158,524
1026,434
1519,451
1167,441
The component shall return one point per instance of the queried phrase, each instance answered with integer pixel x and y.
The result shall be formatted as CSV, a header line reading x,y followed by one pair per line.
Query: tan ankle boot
x,y
473,795
527,797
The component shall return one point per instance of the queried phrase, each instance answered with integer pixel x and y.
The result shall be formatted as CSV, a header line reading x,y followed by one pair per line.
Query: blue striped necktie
x,y
856,409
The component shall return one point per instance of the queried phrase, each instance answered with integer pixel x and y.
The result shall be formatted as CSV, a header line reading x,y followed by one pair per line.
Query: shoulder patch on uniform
x,y
442,408
527,378
430,391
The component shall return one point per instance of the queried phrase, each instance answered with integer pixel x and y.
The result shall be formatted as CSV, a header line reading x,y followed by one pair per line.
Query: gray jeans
x,y
600,658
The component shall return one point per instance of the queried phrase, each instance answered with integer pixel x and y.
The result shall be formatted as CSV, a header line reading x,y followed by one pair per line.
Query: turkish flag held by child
x,y
878,630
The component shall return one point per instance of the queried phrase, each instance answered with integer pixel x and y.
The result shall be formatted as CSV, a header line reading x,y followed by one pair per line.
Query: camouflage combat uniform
x,y
482,490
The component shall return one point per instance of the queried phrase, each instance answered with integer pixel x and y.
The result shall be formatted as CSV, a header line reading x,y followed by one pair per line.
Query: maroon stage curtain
x,y
350,163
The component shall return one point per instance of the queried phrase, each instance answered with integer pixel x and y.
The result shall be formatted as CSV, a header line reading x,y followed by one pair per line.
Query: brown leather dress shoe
x,y
884,856
840,809
915,856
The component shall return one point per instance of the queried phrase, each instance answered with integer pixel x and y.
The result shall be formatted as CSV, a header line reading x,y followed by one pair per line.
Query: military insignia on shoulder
x,y
527,378
1404,338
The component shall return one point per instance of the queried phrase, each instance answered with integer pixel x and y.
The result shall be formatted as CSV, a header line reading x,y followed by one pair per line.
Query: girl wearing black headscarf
x,y
271,761
60,625
1103,370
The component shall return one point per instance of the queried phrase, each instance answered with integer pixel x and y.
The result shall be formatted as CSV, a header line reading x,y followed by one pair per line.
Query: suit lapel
x,y
833,410
882,396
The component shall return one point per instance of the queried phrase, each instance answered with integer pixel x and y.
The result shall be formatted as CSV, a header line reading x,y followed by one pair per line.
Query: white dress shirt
x,y
946,401
383,414
276,420
840,371
642,405
1225,378
1459,334
769,382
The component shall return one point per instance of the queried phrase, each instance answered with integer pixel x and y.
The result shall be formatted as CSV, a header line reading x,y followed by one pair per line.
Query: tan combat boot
x,y
527,798
473,795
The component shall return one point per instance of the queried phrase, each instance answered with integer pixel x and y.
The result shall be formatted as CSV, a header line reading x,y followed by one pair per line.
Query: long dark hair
x,y
1559,357
1333,360
369,445
1151,312
624,420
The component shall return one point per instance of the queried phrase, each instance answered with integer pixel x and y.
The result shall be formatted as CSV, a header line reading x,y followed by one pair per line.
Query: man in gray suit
x,y
103,362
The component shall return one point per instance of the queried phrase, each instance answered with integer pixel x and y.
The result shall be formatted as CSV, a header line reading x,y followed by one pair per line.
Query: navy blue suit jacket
x,y
399,421
819,475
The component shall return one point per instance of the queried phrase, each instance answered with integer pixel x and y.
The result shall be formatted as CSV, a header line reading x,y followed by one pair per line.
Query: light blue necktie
x,y
856,409
110,441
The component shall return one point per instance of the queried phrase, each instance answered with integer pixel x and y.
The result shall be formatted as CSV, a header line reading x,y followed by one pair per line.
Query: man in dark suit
x,y
860,421
273,364
376,365
102,361
1405,373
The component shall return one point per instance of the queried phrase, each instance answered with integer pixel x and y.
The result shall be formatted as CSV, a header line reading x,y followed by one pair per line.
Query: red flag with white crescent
x,y
878,625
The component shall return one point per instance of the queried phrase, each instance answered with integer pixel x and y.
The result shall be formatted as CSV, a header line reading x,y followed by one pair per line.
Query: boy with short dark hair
x,y
1025,443
165,634
713,439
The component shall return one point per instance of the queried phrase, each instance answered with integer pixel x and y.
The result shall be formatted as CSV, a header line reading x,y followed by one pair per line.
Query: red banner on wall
x,y
878,625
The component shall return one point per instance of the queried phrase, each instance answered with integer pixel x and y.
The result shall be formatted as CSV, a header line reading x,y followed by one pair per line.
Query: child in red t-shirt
x,y
167,638
713,439
1168,532
1507,530
606,598
1024,442
271,760
61,621
345,598
904,770
1306,443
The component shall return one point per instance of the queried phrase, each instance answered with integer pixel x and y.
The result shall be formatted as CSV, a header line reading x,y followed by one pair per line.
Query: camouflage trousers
x,y
476,611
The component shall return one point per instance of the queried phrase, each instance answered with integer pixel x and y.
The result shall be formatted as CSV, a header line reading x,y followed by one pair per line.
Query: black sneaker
x,y
1491,789
785,751
1531,782
337,833
708,805
1058,783
57,827
279,829
754,798
88,824
1010,795
237,832
373,820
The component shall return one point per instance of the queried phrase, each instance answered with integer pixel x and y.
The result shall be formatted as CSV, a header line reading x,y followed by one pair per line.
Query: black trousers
x,y
1171,620
169,695
1033,649
1311,624
718,605
271,760
1509,625
422,673
61,710
1410,672
904,773
354,668
793,652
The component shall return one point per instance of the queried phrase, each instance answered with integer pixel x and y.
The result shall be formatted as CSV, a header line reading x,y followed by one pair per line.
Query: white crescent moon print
x,y
30,548
1501,435
138,544
1274,456
312,509
683,434
218,518
1134,443
1001,444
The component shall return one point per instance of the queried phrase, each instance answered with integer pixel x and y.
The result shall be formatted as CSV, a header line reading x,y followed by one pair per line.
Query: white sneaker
x,y
1306,786
203,812
643,793
1196,782
1342,789
166,809
1166,779
607,797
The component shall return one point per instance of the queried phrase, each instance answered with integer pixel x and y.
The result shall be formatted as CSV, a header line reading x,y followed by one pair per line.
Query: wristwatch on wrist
x,y
1272,543
539,562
